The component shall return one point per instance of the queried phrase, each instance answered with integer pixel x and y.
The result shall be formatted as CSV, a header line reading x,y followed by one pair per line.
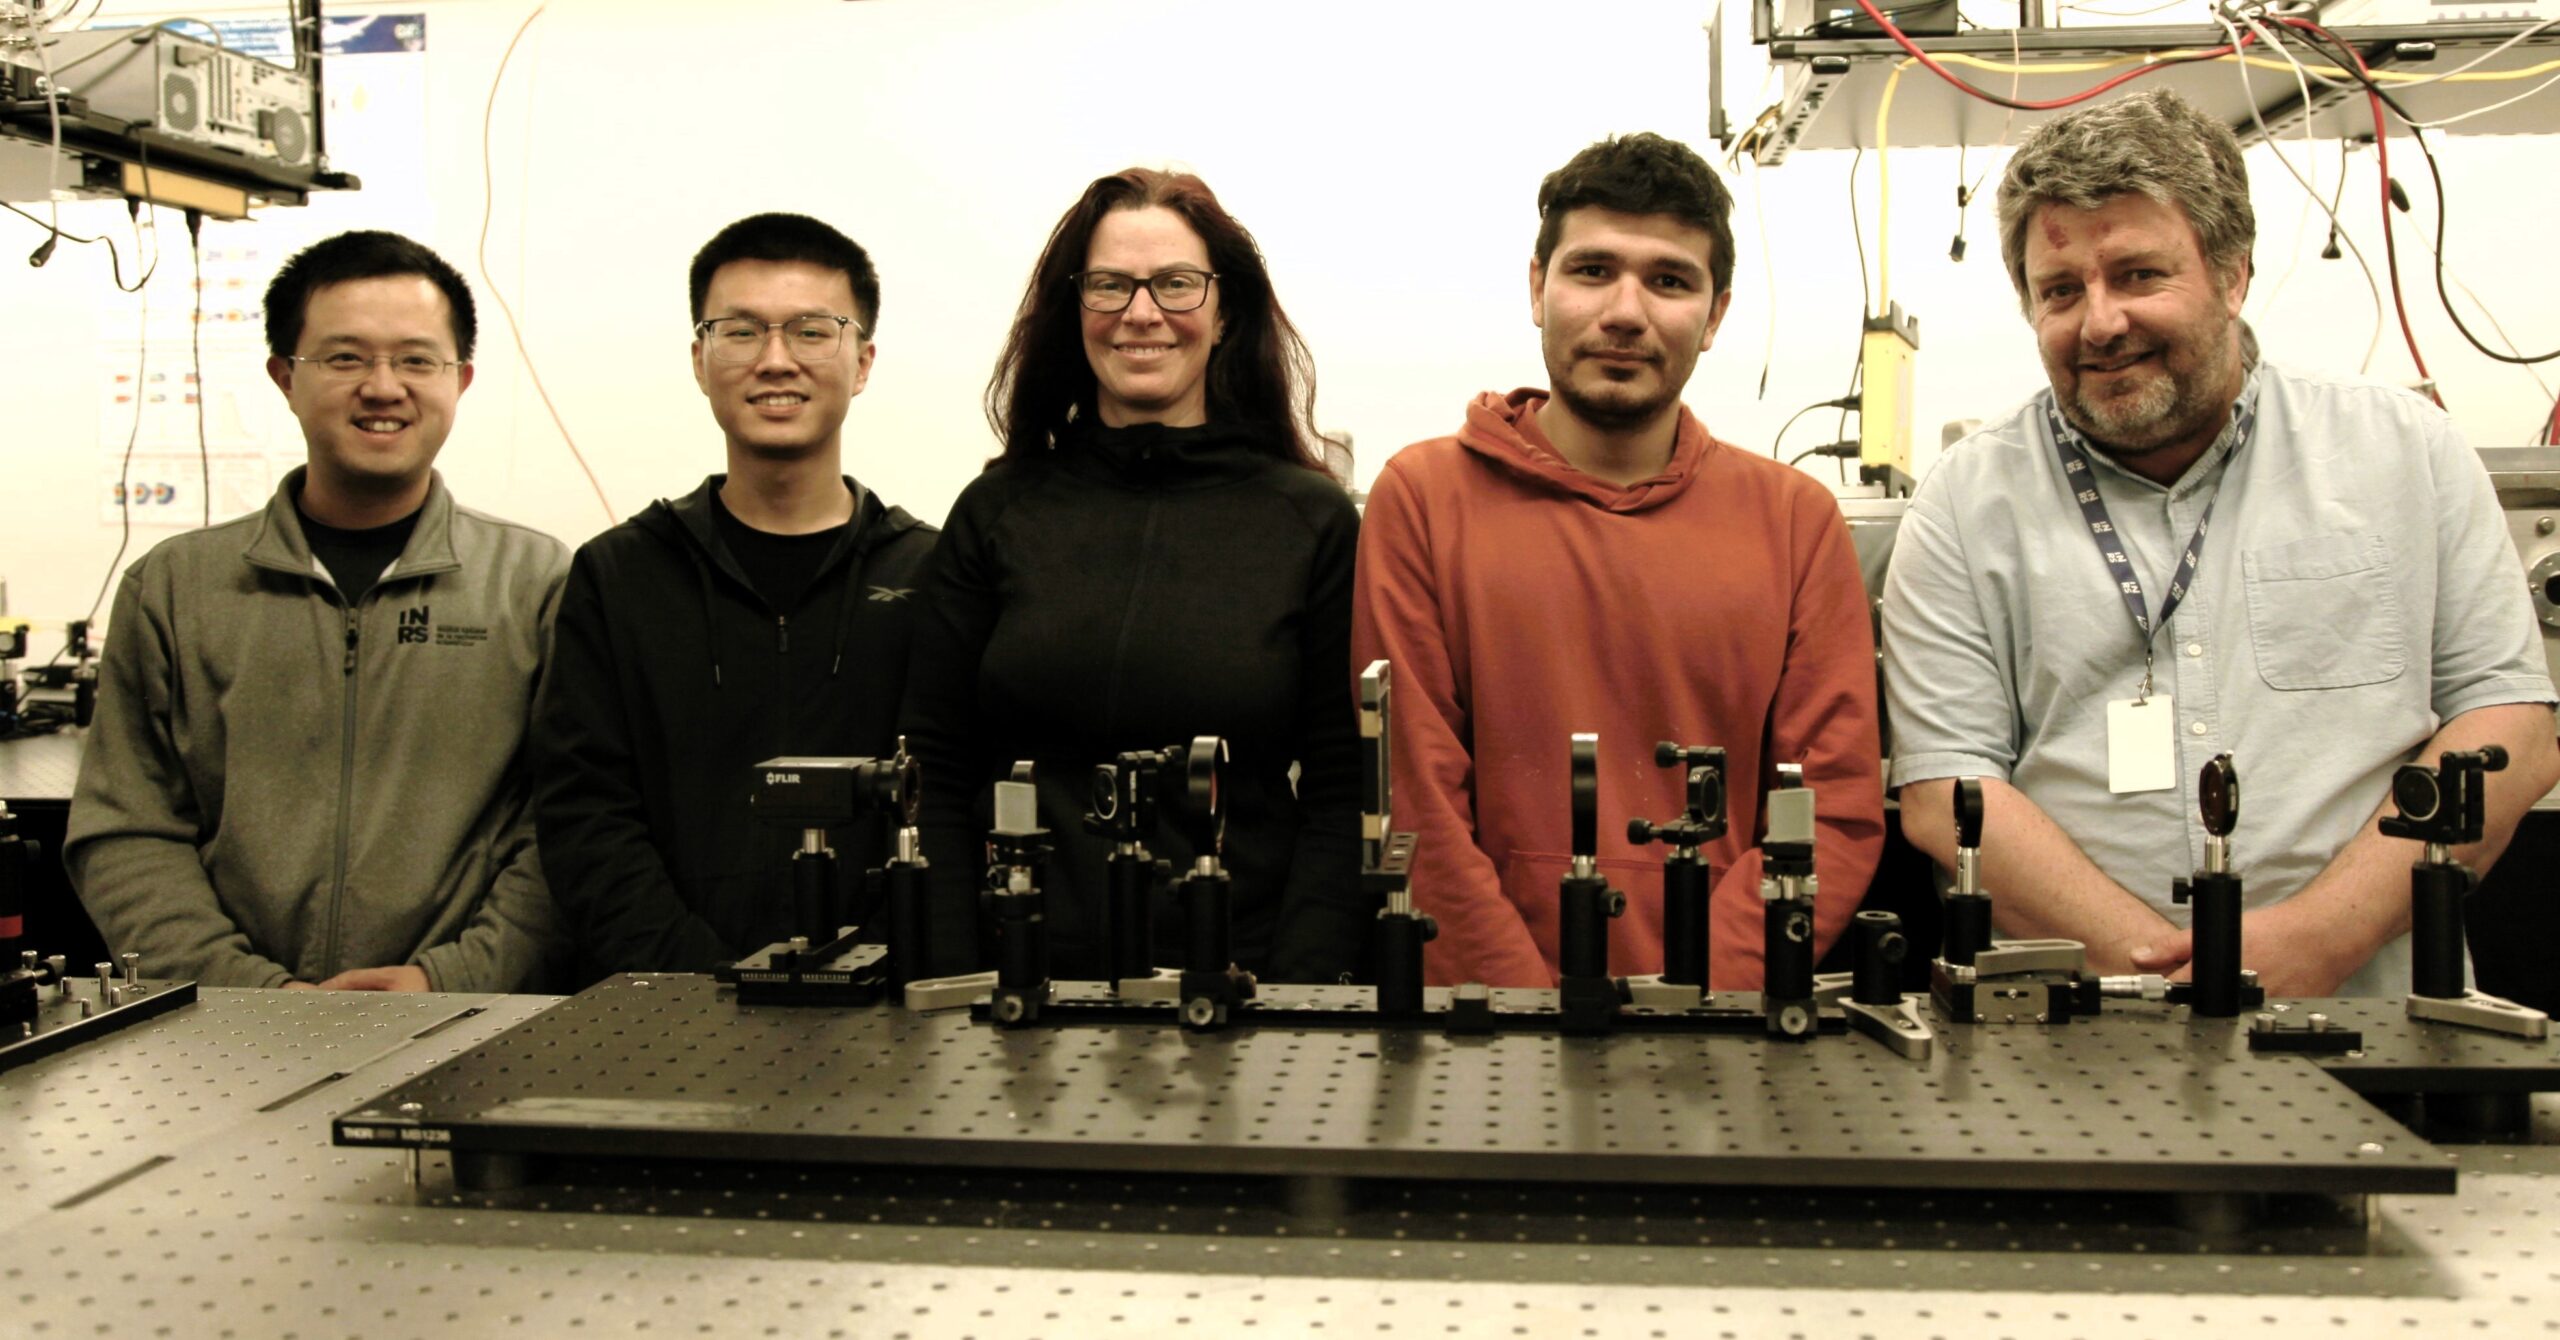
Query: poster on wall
x,y
271,39
190,426
190,438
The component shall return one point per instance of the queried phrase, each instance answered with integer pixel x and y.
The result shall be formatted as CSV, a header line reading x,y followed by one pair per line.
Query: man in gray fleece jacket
x,y
307,768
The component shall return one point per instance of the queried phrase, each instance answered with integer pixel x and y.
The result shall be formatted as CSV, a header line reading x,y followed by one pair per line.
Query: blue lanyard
x,y
2077,472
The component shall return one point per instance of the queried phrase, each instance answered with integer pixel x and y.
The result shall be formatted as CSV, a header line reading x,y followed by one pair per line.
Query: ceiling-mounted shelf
x,y
1834,84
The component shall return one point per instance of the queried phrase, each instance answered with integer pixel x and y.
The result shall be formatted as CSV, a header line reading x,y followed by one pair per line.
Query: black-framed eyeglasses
x,y
416,369
1114,290
739,339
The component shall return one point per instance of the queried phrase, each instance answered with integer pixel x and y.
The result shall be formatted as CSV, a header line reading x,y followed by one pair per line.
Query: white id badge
x,y
2142,745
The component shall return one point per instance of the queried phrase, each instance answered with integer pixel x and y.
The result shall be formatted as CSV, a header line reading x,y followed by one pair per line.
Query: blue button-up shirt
x,y
2357,590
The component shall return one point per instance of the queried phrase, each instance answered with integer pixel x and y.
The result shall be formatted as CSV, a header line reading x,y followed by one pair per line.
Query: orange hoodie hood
x,y
1504,431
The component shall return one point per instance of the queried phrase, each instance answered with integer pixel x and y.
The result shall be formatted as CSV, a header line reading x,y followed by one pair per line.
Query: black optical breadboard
x,y
672,1067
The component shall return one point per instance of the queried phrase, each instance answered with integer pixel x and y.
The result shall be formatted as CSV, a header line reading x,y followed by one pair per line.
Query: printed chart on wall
x,y
229,437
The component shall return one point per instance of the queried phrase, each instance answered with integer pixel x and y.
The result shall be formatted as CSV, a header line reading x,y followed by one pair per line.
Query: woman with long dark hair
x,y
1157,554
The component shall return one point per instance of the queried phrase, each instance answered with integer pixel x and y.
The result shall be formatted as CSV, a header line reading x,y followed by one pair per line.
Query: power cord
x,y
195,348
2373,340
115,259
1912,48
2382,158
488,207
1845,402
1965,192
124,475
2396,197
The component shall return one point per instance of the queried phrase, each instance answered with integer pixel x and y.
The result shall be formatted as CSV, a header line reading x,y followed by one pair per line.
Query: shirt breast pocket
x,y
2324,613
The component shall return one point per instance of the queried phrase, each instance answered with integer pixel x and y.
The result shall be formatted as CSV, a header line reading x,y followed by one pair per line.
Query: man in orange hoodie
x,y
1591,559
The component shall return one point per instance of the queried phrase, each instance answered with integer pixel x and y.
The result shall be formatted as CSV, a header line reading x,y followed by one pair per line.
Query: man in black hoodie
x,y
765,613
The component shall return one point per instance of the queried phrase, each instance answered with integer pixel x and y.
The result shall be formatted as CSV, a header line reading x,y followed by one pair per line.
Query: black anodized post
x,y
1788,953
1399,942
1876,958
1022,950
2216,930
1583,927
1210,900
1966,928
813,892
905,898
2436,894
1686,936
1131,940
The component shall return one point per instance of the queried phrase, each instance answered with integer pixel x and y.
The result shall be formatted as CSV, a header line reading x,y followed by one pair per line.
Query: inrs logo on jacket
x,y
418,626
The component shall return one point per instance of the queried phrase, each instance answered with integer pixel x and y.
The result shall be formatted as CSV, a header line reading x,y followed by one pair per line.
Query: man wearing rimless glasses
x,y
306,769
765,613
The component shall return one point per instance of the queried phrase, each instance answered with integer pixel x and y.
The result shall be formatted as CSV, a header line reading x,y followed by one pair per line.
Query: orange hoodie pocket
x,y
1531,882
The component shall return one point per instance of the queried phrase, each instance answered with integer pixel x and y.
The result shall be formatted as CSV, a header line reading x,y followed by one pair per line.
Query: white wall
x,y
1386,154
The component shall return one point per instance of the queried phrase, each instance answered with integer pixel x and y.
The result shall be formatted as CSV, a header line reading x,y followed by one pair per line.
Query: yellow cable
x,y
1893,81
2261,62
1884,188
2404,77
2060,67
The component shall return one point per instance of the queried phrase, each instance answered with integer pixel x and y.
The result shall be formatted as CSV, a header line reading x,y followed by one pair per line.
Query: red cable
x,y
2029,105
2390,246
2382,160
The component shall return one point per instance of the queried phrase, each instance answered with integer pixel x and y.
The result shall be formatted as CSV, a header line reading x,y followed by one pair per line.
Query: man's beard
x,y
1620,408
2163,409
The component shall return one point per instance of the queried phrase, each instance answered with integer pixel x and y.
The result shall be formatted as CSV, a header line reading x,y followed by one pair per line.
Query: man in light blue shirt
x,y
2180,550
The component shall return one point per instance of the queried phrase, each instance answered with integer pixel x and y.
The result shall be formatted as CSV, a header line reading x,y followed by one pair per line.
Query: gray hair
x,y
2155,143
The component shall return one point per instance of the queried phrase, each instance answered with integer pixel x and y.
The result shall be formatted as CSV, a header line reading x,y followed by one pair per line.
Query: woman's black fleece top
x,y
1139,587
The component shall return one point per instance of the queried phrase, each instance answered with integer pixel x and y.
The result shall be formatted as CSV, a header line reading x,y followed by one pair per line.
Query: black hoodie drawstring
x,y
701,575
702,583
864,521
